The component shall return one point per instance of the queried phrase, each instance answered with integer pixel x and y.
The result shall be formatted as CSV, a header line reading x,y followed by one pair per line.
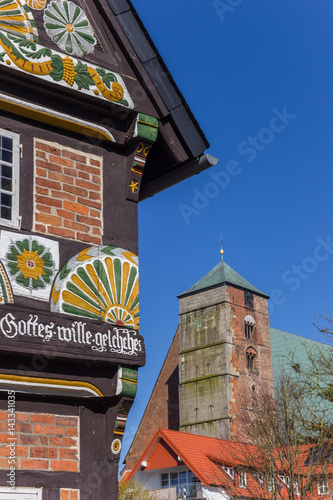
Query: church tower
x,y
225,352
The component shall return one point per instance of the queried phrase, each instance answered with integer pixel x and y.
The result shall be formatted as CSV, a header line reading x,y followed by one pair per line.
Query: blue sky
x,y
258,77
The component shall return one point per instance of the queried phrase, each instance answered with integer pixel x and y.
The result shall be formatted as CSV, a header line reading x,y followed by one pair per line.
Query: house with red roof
x,y
178,465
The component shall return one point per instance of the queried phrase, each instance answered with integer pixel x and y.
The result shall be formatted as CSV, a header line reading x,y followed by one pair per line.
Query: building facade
x,y
91,123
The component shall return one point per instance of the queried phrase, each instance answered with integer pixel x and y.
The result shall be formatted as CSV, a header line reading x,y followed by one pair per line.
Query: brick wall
x,y
261,377
68,193
42,442
163,408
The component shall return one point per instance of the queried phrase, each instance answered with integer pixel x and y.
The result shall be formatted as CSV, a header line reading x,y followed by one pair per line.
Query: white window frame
x,y
323,486
21,493
230,471
260,477
284,479
15,221
242,479
297,489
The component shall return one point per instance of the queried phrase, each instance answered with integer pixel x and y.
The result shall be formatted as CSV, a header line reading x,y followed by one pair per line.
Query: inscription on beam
x,y
61,336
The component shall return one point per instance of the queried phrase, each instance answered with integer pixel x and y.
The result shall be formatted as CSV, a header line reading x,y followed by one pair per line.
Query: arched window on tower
x,y
249,324
251,355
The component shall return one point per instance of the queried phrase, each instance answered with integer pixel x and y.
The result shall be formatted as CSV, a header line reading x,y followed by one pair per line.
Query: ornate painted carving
x,y
55,118
65,337
127,381
54,386
36,4
16,18
67,25
146,129
100,283
31,263
6,294
51,65
55,67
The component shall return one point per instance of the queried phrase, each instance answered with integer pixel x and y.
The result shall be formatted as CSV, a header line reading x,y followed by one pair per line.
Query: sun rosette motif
x,y
30,264
17,20
100,283
36,4
67,25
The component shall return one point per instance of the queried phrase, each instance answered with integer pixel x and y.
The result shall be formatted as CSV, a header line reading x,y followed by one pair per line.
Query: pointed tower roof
x,y
222,274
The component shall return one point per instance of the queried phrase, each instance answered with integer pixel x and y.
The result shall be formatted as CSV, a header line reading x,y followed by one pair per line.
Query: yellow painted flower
x,y
30,264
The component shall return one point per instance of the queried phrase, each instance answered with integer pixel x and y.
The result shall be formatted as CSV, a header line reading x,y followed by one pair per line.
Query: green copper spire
x,y
222,274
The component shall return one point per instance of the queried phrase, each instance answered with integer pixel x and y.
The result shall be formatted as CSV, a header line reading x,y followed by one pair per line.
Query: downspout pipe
x,y
194,168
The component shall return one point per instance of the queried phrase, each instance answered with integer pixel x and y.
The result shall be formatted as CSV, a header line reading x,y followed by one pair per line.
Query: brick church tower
x,y
225,352
220,354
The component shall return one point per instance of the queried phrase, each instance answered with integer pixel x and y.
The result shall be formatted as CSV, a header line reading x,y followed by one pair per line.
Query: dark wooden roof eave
x,y
181,116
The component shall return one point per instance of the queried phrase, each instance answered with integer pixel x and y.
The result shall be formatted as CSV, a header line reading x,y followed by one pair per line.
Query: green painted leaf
x,y
58,68
64,272
19,245
83,79
109,78
26,245
38,54
11,46
22,280
14,250
101,72
108,250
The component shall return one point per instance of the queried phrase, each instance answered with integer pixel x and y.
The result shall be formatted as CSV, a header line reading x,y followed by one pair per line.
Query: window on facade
x,y
182,479
248,331
249,323
259,477
9,178
230,471
272,484
248,299
322,487
284,479
165,480
21,494
249,362
242,479
251,355
297,489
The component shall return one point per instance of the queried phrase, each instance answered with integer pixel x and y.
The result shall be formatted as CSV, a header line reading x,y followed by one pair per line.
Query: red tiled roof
x,y
206,457
203,455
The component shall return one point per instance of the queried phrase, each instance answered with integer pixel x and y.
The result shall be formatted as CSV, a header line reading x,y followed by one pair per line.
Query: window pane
x,y
165,480
182,478
7,143
7,171
6,213
6,199
6,156
174,478
6,184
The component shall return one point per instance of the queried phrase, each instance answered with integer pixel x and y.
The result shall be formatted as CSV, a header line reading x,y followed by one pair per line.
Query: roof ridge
x,y
221,274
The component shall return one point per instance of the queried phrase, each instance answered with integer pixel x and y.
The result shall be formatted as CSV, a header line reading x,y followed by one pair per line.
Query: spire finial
x,y
221,251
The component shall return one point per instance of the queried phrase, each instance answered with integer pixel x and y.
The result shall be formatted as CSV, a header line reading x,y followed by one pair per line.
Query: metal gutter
x,y
194,168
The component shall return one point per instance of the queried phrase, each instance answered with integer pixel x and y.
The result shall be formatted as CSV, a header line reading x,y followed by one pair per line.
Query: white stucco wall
x,y
214,494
